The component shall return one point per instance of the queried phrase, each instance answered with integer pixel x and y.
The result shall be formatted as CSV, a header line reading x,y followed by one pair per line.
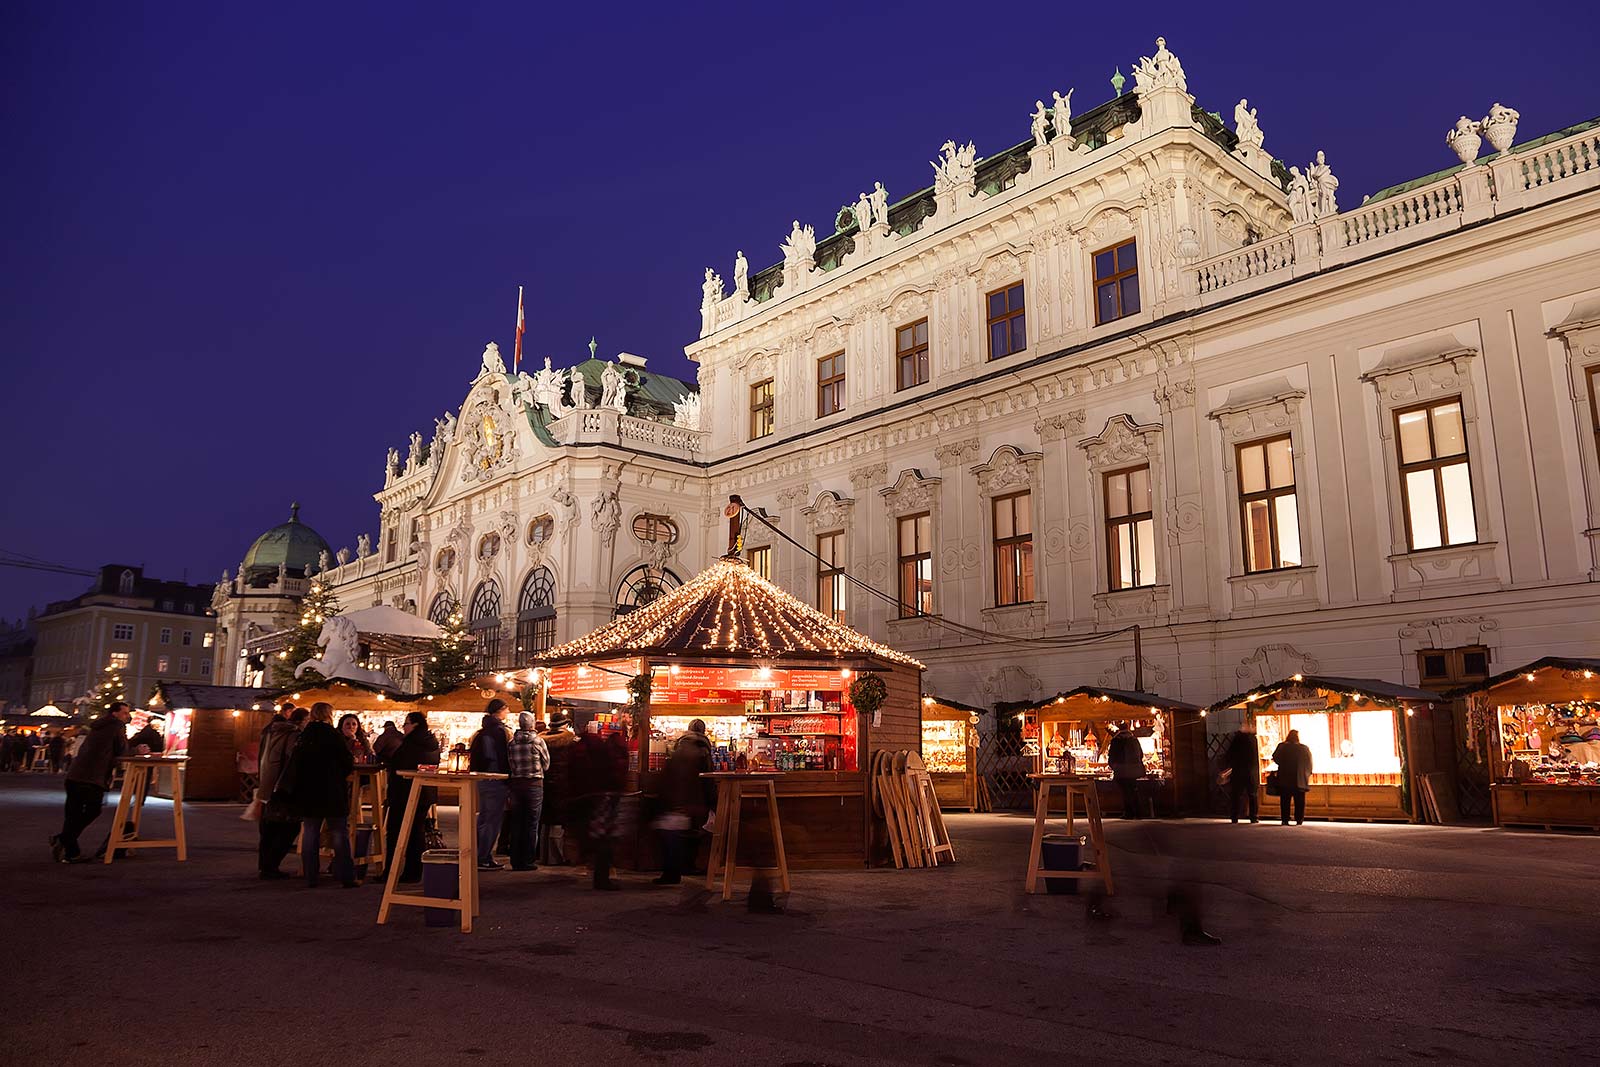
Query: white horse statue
x,y
341,646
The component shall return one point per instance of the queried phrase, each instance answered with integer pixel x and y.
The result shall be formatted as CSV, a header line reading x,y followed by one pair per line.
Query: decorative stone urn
x,y
1464,140
1500,127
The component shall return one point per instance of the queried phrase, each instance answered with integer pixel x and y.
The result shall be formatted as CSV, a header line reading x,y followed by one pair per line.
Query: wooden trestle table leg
x,y
394,868
777,835
177,813
1040,810
730,867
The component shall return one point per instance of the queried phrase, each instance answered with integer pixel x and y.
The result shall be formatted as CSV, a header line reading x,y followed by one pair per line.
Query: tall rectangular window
x,y
166,635
183,665
1130,529
207,640
188,637
761,561
1008,321
163,664
1269,514
916,565
1013,549
830,576
1116,282
1594,404
911,354
205,668
122,631
1435,479
391,545
830,384
761,421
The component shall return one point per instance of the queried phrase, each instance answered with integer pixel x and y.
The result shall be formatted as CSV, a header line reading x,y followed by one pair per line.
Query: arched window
x,y
655,529
439,611
125,583
642,585
536,614
483,619
541,529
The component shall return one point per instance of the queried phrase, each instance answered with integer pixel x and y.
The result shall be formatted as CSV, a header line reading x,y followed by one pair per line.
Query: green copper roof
x,y
293,545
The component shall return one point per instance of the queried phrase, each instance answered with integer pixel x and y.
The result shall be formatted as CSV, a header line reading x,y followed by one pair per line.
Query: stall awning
x,y
933,698
727,610
1372,687
169,695
1133,699
1581,672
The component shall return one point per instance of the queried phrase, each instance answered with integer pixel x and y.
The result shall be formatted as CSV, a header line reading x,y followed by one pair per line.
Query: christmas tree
x,y
318,607
450,662
110,690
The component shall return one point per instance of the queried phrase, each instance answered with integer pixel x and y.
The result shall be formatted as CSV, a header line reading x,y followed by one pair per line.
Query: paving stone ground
x,y
1342,943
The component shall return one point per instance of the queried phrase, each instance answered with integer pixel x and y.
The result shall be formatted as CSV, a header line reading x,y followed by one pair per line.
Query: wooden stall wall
x,y
216,737
1191,769
901,725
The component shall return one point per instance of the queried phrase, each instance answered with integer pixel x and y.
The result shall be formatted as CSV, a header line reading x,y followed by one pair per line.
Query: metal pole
x,y
1138,660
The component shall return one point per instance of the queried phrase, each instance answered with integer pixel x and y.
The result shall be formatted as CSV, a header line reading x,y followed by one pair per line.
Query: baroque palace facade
x,y
1130,371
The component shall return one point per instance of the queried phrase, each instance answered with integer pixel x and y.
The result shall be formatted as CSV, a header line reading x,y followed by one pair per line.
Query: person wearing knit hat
x,y
490,754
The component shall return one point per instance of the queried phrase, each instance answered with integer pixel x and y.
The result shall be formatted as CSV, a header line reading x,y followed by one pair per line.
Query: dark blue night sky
x,y
248,247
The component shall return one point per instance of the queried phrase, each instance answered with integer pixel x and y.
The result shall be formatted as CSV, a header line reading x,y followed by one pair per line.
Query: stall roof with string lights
x,y
1541,726
729,645
1370,748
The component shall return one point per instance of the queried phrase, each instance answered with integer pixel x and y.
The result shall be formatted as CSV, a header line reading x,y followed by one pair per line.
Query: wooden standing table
x,y
1073,787
367,784
465,784
138,775
731,789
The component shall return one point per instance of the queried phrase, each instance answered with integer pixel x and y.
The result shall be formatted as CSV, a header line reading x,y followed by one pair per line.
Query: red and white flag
x,y
516,356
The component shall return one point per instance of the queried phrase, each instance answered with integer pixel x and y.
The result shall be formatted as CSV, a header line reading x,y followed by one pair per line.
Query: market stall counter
x,y
780,687
950,751
1070,734
1543,725
1364,735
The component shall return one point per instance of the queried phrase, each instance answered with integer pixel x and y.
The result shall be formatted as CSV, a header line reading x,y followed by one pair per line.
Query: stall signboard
x,y
679,695
1316,703
587,681
749,679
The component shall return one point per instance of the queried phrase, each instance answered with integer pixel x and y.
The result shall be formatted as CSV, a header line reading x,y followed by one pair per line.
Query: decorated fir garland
x,y
639,687
868,694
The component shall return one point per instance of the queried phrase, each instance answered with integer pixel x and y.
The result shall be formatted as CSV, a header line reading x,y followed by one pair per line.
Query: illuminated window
x,y
642,586
122,631
484,622
536,613
1269,514
655,529
163,664
119,660
916,565
761,561
1013,549
1116,282
207,640
1435,479
830,384
1130,529
166,635
1008,321
761,420
830,576
911,354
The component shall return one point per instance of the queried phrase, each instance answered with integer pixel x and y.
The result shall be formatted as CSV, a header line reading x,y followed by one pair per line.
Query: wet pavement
x,y
1342,943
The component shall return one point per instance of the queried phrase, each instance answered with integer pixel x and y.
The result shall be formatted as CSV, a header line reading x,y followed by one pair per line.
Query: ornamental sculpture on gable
x,y
1160,71
956,168
800,249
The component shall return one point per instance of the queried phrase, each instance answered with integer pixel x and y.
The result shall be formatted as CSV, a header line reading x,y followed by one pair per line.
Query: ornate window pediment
x,y
1122,443
830,511
911,493
1414,372
1008,469
1259,409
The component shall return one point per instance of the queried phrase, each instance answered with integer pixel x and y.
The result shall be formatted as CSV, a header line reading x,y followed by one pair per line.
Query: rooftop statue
x,y
1300,196
391,463
1323,187
711,289
492,363
1246,126
956,168
363,546
1159,71
414,455
686,411
801,247
614,388
1040,120
547,390
863,212
1061,114
880,204
1500,126
580,390
741,274
1464,140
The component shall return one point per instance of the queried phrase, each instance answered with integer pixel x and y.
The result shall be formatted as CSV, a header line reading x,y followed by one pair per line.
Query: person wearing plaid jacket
x,y
530,758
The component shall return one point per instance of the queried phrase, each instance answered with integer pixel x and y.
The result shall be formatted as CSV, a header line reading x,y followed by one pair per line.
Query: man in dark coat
x,y
319,789
387,741
561,742
278,824
686,797
1242,764
490,753
1127,767
417,748
89,777
1294,776
149,737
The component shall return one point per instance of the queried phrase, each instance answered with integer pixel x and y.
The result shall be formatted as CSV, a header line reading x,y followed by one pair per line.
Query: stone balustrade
x,y
1512,181
602,426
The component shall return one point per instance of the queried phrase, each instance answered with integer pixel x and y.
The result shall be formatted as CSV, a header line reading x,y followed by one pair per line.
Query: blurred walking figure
x,y
687,798
561,743
319,772
1242,771
599,771
278,824
89,777
1127,767
530,758
490,754
1294,777
417,748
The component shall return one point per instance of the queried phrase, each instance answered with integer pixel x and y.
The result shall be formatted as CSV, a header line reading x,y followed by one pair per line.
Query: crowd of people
x,y
1241,773
23,751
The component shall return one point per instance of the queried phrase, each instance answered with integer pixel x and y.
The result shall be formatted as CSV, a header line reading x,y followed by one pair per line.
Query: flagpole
x,y
516,356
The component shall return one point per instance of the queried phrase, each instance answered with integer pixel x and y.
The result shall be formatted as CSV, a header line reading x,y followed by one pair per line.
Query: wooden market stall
x,y
1370,742
1542,722
454,715
776,683
218,727
1070,734
950,751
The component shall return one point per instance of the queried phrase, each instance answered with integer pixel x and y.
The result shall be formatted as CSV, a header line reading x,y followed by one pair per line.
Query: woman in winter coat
x,y
319,772
355,739
1294,776
278,824
418,748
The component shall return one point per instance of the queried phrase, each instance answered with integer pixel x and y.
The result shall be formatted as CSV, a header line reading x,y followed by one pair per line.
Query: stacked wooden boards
x,y
903,795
